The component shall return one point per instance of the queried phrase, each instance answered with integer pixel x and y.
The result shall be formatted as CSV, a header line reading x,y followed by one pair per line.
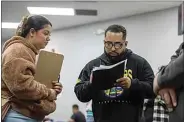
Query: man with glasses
x,y
123,102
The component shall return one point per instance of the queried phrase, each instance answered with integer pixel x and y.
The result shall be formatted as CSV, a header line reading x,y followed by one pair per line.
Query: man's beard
x,y
113,54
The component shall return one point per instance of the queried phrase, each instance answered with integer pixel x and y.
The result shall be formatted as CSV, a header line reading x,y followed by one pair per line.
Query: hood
x,y
19,39
107,59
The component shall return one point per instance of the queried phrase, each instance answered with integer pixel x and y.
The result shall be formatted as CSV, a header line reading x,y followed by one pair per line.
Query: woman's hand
x,y
57,86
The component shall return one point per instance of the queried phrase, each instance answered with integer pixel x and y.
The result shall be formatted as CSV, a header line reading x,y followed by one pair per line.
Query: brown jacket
x,y
30,98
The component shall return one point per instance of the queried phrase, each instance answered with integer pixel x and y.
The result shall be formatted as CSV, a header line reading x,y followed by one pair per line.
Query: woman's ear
x,y
32,32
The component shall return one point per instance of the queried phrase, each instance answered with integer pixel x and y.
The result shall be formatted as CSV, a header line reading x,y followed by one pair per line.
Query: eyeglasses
x,y
109,44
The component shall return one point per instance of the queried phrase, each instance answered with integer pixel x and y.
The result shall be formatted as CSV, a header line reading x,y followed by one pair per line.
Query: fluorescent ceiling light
x,y
51,11
11,25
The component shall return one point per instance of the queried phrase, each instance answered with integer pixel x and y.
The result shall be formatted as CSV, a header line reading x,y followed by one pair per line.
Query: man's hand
x,y
91,78
156,87
169,96
124,82
57,86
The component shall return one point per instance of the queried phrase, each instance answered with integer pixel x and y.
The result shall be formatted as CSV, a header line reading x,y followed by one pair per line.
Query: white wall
x,y
152,35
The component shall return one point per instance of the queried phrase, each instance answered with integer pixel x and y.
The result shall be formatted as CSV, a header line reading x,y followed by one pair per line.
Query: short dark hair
x,y
35,21
117,29
75,106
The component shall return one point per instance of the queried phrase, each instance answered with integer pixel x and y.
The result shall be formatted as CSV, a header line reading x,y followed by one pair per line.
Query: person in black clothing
x,y
77,115
171,79
124,101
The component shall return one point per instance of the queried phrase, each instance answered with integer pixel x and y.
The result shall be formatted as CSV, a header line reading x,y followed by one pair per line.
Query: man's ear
x,y
126,43
32,32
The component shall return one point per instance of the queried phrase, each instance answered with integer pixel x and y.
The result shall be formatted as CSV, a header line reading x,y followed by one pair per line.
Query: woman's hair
x,y
35,21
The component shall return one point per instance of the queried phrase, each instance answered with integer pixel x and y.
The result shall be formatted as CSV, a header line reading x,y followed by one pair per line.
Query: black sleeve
x,y
173,73
144,85
177,52
83,89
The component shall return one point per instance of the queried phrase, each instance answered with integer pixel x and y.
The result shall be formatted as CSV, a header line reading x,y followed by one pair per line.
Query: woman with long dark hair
x,y
29,100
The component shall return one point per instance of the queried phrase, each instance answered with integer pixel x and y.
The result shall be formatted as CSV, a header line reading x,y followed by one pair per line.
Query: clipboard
x,y
48,67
